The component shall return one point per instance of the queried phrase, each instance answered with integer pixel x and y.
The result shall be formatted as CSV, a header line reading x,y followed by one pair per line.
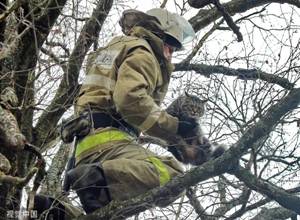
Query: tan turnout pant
x,y
131,170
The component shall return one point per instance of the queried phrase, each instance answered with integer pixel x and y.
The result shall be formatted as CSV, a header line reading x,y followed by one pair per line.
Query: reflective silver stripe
x,y
151,119
99,80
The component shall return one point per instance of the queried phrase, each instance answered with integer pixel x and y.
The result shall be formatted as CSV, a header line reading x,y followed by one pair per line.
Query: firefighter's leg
x,y
131,170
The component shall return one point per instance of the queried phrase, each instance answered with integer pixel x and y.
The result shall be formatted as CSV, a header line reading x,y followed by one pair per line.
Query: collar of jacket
x,y
157,46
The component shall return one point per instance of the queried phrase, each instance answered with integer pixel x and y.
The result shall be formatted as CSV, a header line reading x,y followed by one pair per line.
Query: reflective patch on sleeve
x,y
105,58
99,80
164,175
151,119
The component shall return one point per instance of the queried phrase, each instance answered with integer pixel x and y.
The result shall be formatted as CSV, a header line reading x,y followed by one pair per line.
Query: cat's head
x,y
192,106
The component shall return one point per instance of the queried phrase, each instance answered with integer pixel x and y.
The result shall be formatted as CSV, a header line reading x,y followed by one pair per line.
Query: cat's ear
x,y
204,101
186,93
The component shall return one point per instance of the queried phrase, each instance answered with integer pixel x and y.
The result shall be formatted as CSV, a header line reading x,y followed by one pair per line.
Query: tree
x,y
251,86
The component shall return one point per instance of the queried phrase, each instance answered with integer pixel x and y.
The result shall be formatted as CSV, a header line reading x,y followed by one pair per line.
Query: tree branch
x,y
229,20
15,5
258,204
274,213
205,17
243,74
201,42
3,5
52,185
18,181
68,87
22,58
285,199
197,206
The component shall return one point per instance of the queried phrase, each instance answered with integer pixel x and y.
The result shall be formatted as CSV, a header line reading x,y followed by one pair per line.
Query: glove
x,y
79,126
186,125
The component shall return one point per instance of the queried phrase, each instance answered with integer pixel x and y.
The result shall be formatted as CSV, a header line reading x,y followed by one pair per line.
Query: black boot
x,y
48,208
90,185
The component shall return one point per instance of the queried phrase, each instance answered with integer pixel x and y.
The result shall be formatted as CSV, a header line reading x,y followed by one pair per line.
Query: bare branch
x,y
15,5
257,205
123,209
201,42
52,185
205,17
285,199
243,74
190,193
68,87
274,213
229,20
163,4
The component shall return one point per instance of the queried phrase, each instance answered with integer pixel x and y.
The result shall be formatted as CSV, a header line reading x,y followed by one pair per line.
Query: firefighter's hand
x,y
186,125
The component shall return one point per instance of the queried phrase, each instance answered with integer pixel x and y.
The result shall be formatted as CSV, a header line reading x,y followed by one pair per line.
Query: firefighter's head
x,y
176,28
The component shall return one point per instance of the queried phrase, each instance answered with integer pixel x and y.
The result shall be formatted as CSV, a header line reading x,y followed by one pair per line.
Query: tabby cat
x,y
193,148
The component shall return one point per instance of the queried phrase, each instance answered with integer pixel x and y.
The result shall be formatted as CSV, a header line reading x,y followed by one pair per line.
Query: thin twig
x,y
12,8
163,5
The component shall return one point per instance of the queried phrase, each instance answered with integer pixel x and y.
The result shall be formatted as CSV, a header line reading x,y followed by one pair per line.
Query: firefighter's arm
x,y
137,78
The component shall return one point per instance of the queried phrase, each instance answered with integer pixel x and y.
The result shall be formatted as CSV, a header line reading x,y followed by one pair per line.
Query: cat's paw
x,y
217,150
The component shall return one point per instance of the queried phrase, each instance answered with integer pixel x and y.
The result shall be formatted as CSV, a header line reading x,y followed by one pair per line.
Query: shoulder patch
x,y
105,58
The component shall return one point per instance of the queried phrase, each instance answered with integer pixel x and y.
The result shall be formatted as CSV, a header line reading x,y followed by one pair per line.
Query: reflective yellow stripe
x,y
100,138
164,175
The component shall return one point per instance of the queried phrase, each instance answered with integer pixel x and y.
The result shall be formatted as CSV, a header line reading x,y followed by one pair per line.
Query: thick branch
x,y
52,185
285,199
205,17
69,85
274,213
244,74
258,204
23,55
264,126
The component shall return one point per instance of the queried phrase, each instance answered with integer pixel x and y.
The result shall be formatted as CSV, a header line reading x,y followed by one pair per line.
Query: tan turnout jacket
x,y
130,76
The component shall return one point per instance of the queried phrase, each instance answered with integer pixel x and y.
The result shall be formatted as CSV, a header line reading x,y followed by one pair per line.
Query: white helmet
x,y
177,29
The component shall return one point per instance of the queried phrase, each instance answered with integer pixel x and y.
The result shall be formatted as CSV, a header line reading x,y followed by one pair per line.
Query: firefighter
x,y
124,86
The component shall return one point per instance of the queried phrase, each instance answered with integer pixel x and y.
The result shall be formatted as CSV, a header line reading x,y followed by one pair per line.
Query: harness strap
x,y
112,120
